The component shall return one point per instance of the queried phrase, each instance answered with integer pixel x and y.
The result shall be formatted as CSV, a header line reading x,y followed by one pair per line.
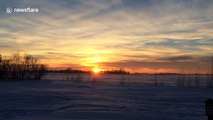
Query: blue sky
x,y
133,34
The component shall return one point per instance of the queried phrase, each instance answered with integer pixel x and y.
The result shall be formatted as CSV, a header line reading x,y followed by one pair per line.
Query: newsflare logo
x,y
21,10
9,10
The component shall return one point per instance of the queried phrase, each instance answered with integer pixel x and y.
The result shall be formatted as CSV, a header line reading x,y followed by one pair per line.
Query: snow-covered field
x,y
89,100
166,80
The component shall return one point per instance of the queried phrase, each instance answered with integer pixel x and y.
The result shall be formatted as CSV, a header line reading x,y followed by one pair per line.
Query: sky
x,y
137,35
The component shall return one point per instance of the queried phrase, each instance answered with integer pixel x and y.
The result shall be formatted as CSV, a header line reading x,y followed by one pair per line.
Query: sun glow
x,y
96,70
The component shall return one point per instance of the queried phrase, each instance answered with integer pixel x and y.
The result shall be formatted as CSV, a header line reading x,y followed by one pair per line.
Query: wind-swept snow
x,y
67,100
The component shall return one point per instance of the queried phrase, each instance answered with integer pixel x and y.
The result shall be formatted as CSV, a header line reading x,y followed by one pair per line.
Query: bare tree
x,y
197,79
18,67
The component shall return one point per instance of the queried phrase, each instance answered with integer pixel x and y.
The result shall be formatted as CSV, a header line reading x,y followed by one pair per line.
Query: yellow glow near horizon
x,y
96,70
93,60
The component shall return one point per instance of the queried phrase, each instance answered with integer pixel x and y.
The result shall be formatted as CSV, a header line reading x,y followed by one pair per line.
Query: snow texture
x,y
86,100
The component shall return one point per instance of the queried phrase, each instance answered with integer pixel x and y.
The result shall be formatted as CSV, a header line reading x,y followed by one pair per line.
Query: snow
x,y
86,100
168,80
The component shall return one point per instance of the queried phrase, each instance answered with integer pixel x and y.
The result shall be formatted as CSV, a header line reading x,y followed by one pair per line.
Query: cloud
x,y
117,30
178,58
184,45
161,66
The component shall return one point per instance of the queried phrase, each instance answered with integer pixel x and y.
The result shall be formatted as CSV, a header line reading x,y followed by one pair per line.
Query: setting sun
x,y
96,70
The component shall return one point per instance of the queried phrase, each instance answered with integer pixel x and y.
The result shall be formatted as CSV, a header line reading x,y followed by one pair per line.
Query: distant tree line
x,y
120,71
70,70
17,67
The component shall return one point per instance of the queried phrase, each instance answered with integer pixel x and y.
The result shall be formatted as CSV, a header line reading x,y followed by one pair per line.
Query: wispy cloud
x,y
109,30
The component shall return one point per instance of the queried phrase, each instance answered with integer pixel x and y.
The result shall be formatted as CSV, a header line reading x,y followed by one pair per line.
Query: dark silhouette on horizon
x,y
70,70
18,67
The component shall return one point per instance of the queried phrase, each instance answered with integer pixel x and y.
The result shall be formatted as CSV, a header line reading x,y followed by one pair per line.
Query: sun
x,y
96,70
